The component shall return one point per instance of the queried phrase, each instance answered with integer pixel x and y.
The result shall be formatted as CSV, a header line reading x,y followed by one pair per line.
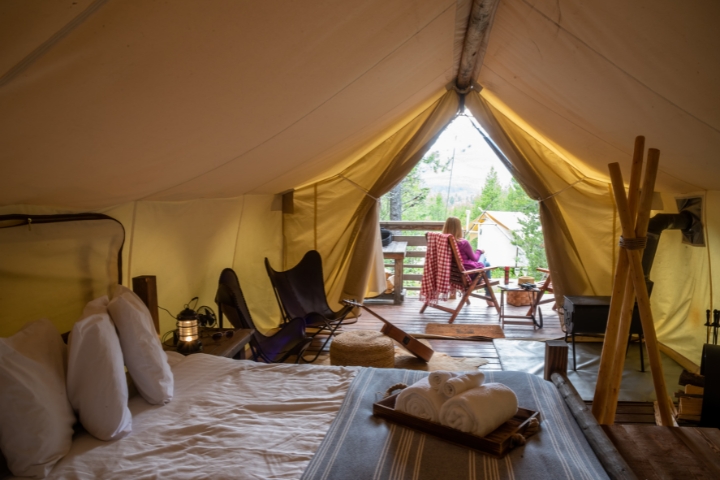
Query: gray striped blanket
x,y
359,446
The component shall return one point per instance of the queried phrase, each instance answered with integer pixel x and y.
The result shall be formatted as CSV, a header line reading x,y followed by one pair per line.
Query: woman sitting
x,y
470,260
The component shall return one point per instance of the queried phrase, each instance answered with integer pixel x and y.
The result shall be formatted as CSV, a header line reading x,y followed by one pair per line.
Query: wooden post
x,y
623,333
556,358
610,350
145,287
479,23
638,278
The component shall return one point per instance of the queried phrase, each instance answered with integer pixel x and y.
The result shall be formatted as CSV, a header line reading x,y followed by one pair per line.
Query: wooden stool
x,y
362,348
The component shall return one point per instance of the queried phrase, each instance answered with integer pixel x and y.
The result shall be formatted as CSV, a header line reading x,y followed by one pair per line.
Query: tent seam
x,y
237,232
315,214
49,43
131,243
707,244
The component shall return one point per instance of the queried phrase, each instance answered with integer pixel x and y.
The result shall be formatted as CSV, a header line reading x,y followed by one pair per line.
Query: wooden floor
x,y
408,318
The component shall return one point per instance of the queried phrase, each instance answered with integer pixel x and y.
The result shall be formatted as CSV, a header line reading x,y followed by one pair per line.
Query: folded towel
x,y
421,400
456,385
480,410
437,379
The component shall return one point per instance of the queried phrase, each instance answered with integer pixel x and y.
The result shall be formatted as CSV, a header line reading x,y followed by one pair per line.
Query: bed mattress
x,y
228,419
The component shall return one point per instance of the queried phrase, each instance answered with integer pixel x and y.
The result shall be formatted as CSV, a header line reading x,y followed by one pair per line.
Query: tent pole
x,y
602,393
636,271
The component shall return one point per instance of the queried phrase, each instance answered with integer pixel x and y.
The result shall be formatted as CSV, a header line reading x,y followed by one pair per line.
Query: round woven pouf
x,y
362,348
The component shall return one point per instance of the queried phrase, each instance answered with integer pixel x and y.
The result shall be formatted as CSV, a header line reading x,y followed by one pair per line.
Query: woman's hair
x,y
453,227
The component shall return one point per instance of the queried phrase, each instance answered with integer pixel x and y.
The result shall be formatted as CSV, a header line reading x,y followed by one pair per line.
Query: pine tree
x,y
408,199
492,194
530,239
517,200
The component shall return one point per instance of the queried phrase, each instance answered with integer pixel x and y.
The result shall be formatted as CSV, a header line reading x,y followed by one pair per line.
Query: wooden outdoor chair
x,y
467,282
545,286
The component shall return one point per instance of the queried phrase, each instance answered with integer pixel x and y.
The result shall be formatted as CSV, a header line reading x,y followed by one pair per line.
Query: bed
x,y
241,419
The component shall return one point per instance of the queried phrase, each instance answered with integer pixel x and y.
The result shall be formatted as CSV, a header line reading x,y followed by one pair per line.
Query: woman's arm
x,y
466,251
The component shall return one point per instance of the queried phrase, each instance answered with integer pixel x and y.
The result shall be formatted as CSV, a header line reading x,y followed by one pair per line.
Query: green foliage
x,y
417,204
492,195
530,239
516,200
410,197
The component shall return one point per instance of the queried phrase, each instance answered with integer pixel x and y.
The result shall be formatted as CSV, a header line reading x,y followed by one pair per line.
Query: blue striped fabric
x,y
360,446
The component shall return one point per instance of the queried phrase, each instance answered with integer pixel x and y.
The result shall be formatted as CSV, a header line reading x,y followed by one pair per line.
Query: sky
x,y
473,160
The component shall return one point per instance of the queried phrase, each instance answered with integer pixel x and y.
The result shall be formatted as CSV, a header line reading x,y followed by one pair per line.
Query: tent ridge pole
x,y
478,29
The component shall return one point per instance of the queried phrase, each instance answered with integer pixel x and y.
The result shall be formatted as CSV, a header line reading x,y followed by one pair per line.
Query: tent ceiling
x,y
177,100
180,100
591,75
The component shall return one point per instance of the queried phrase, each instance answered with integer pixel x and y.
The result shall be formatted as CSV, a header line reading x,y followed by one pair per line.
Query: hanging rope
x,y
637,243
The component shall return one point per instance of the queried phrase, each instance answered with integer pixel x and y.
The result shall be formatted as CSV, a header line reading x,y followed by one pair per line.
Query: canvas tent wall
x,y
184,119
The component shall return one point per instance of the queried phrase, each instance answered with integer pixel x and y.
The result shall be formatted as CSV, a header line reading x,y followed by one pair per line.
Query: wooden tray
x,y
497,443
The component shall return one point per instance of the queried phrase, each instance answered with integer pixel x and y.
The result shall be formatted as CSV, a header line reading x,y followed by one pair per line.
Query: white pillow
x,y
36,419
96,382
144,356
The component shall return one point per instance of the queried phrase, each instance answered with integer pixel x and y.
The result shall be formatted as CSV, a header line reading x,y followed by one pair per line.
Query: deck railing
x,y
414,234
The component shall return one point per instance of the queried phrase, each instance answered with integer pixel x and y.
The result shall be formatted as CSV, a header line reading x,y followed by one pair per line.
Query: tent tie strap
x,y
637,243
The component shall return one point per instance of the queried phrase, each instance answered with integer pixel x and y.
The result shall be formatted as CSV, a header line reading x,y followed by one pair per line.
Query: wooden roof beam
x,y
475,43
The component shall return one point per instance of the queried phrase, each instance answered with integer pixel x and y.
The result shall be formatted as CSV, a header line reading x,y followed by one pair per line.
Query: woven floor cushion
x,y
362,348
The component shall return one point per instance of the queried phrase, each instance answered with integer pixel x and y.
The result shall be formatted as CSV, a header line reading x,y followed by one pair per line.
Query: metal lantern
x,y
187,329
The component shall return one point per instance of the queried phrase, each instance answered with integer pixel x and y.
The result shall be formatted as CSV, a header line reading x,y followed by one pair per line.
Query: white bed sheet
x,y
228,419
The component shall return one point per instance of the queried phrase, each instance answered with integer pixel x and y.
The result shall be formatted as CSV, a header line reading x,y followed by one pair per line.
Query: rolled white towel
x,y
421,400
457,385
437,379
480,410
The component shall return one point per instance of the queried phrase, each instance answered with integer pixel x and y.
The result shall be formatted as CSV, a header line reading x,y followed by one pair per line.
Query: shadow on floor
x,y
636,386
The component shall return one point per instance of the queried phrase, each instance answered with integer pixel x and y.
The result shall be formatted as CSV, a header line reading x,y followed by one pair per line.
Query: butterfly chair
x,y
289,340
444,271
300,292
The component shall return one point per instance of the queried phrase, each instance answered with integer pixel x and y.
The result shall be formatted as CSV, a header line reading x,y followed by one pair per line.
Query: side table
x,y
528,319
230,347
396,251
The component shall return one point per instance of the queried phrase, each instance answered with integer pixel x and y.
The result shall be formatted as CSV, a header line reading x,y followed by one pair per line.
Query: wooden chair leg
x,y
535,303
461,304
425,305
492,293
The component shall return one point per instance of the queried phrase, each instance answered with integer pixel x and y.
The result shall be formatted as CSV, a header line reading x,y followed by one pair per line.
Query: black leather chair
x,y
300,292
289,340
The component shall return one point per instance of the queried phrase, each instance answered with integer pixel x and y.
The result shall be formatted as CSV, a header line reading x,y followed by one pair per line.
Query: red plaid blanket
x,y
436,276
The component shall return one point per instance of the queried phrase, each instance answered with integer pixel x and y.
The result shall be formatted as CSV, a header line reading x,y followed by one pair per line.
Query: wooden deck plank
x,y
664,452
407,317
